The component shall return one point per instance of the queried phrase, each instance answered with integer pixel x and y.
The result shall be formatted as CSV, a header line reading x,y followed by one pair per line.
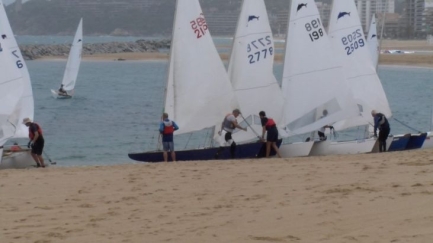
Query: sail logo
x,y
373,36
300,6
4,37
253,17
199,26
342,14
79,41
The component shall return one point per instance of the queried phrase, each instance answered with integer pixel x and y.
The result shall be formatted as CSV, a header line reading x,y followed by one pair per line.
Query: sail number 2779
x,y
353,41
261,48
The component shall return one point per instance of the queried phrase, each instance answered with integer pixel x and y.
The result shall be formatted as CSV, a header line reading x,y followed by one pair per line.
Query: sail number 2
x,y
260,46
314,29
199,26
353,41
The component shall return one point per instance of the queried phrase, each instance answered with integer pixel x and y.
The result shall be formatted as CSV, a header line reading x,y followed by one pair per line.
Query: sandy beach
x,y
361,198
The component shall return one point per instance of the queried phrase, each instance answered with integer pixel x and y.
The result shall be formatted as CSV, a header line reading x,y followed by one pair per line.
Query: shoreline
x,y
411,60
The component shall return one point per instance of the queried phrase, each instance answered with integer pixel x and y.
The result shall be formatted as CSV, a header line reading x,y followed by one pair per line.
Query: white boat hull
x,y
296,149
56,95
345,147
17,160
428,143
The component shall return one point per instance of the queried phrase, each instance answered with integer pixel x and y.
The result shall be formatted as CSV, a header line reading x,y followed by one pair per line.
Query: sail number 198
x,y
314,29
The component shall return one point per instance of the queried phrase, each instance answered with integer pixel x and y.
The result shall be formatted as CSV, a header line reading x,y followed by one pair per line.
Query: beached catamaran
x,y
313,79
25,106
198,92
346,35
72,66
251,70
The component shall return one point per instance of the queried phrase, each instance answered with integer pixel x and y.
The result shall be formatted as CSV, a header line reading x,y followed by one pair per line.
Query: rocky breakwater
x,y
31,52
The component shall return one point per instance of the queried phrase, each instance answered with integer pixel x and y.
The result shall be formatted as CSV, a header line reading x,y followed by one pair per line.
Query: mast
x,y
169,55
382,29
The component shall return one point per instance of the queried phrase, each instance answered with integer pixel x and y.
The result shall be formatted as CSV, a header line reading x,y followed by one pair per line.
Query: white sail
x,y
199,92
348,41
251,66
25,108
74,60
11,90
373,43
313,79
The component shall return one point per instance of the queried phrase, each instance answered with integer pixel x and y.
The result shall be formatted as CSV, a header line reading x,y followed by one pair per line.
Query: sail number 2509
x,y
353,41
262,48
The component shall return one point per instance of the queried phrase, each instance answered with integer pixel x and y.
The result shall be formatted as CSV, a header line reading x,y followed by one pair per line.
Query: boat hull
x,y
17,160
399,142
243,151
416,141
56,95
296,149
428,143
343,147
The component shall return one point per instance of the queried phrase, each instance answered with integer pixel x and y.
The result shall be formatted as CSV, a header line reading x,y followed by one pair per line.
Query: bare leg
x,y
274,145
165,156
173,156
268,149
36,159
41,160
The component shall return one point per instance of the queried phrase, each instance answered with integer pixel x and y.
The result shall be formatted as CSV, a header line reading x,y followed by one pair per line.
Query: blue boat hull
x,y
416,141
243,151
399,143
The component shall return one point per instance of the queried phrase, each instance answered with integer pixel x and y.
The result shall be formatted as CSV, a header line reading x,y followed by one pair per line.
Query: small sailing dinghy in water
x,y
198,92
72,66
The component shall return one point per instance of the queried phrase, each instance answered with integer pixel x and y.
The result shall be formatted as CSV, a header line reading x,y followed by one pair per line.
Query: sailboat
x,y
401,141
198,92
313,83
251,69
25,106
373,43
72,66
11,90
348,41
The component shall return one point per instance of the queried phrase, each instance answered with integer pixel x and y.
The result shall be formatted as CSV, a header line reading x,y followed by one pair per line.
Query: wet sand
x,y
360,198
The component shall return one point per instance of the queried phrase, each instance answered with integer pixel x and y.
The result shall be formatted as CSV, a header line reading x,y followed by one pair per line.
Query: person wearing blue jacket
x,y
167,128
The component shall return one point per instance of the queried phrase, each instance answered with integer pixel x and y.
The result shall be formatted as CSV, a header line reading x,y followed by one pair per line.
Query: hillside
x,y
117,17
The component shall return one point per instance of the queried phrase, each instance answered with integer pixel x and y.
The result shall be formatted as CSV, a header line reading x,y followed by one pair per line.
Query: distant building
x,y
417,18
368,8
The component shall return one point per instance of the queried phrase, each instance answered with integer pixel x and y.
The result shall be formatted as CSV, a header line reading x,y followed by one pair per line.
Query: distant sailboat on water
x,y
67,87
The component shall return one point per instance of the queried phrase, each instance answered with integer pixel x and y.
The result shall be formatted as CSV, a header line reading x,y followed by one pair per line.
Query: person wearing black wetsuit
x,y
381,123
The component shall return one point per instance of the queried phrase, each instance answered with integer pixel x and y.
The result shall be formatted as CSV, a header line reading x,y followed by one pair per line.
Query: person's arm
x,y
175,126
161,127
376,125
235,123
35,138
263,133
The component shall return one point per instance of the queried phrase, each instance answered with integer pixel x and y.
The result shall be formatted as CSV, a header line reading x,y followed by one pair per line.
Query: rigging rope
x,y
407,125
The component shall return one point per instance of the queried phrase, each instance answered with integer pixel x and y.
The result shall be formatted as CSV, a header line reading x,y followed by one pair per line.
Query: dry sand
x,y
362,198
